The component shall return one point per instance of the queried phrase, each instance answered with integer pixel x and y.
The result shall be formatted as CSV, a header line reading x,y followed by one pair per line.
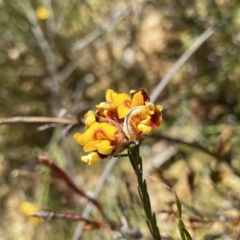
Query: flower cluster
x,y
118,122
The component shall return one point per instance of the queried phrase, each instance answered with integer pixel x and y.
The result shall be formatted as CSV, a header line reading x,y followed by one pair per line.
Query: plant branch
x,y
193,144
32,119
136,162
44,46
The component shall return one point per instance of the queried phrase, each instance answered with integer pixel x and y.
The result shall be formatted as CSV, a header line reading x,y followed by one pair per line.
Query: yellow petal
x,y
159,108
122,111
122,99
28,208
79,138
89,118
150,107
137,99
144,129
146,120
105,106
102,114
100,131
110,95
91,146
105,131
91,159
104,147
123,103
88,135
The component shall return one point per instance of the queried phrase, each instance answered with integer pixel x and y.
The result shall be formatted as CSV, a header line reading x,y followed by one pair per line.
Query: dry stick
x,y
202,38
20,119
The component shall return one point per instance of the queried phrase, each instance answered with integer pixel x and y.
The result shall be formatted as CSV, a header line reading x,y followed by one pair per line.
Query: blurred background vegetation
x,y
57,58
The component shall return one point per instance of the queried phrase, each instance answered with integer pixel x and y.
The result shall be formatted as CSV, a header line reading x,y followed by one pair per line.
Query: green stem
x,y
136,161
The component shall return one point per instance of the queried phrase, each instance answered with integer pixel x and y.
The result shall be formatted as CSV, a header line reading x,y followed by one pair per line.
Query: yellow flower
x,y
42,13
118,121
28,208
100,139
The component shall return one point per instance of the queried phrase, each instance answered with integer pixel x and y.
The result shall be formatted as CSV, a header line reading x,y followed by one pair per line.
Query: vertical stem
x,y
136,161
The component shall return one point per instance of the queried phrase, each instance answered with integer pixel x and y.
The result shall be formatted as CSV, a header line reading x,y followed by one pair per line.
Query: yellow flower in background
x,y
42,13
28,208
117,122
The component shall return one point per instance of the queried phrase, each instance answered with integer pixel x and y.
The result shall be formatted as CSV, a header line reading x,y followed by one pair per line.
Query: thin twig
x,y
22,119
51,25
191,144
179,63
45,47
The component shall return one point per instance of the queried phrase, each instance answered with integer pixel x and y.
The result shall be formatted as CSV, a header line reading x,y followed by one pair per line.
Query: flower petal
x,y
150,107
105,106
91,146
89,118
92,158
108,105
122,99
86,137
122,111
139,97
104,147
107,132
122,102
144,129
110,95
79,138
